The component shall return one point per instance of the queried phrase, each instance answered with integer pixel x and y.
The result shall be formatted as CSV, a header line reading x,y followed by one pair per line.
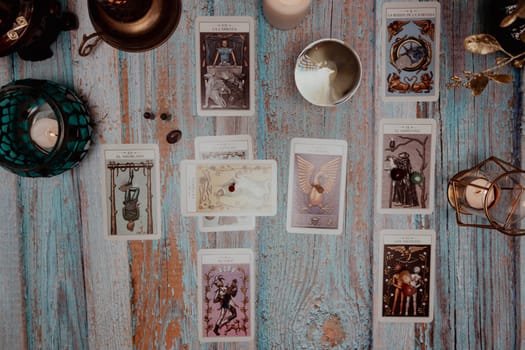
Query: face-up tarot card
x,y
225,148
229,188
131,199
225,69
316,186
226,295
410,55
406,272
405,168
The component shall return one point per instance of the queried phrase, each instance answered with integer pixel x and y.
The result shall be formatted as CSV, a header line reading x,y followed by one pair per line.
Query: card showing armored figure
x,y
316,186
226,295
410,33
229,187
225,148
406,276
225,66
405,166
131,191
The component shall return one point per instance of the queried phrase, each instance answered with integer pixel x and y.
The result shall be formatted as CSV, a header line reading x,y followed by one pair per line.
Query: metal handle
x,y
85,47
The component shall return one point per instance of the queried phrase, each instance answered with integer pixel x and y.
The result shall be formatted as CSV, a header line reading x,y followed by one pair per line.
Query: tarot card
x,y
316,186
225,69
406,276
229,188
131,191
224,147
410,62
226,295
405,169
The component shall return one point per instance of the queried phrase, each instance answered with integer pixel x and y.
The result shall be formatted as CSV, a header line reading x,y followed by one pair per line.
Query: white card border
x,y
157,223
185,185
432,164
432,280
253,316
199,140
342,198
229,112
384,55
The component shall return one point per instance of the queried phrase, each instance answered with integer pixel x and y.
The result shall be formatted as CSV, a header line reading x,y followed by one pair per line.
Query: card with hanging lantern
x,y
405,168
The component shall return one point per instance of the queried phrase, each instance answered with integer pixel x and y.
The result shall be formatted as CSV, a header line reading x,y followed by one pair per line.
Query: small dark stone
x,y
149,115
174,136
231,188
397,174
165,116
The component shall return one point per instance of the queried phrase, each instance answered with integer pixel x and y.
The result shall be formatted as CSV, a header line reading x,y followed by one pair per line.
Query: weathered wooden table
x,y
64,286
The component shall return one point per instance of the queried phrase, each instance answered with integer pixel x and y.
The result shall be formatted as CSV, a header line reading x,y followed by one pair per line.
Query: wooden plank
x,y
105,263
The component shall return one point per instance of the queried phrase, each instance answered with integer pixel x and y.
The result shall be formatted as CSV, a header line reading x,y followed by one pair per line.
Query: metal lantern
x,y
45,128
491,191
30,27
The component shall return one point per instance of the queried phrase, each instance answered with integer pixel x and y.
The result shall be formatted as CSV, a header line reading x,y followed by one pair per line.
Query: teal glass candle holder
x,y
45,128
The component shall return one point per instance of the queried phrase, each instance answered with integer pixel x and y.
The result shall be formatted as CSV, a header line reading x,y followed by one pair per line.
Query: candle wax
x,y
285,14
44,133
476,196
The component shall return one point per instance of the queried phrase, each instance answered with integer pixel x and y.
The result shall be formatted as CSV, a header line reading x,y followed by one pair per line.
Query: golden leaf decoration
x,y
478,84
482,44
501,78
511,18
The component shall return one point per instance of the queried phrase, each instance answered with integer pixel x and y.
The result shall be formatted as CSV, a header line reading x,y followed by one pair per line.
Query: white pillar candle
x,y
285,14
477,196
44,132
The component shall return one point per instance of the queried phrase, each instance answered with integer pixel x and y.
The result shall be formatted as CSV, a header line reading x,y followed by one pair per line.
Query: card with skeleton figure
x,y
224,147
225,69
226,295
229,188
406,276
131,202
405,168
316,186
410,40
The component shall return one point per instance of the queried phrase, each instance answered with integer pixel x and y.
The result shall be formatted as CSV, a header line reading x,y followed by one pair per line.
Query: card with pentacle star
x,y
406,276
225,65
410,34
316,186
405,166
226,295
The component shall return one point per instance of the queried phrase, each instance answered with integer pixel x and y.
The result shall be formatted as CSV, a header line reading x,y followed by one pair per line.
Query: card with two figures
x,y
229,187
316,186
226,68
406,275
226,295
231,147
410,54
131,205
405,166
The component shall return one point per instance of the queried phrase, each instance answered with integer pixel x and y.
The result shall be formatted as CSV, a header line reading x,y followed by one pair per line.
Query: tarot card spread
x,y
411,34
316,186
132,199
224,148
229,188
406,166
407,275
226,292
225,73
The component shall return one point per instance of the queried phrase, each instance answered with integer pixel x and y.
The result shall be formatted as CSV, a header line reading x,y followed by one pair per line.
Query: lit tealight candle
x,y
285,14
477,193
44,133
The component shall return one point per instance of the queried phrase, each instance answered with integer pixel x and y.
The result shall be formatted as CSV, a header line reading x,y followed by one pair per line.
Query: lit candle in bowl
x,y
44,133
285,14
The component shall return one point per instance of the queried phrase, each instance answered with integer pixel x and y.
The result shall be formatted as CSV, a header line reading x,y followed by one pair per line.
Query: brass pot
x,y
135,26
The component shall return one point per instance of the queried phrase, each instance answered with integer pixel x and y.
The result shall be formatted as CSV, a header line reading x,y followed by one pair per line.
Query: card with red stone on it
x,y
406,276
405,166
226,295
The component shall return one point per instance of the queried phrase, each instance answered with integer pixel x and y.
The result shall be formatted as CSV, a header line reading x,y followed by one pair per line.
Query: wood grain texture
x,y
63,285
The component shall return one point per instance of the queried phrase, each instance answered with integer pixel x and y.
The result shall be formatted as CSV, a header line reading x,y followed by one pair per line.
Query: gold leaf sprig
x,y
484,44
